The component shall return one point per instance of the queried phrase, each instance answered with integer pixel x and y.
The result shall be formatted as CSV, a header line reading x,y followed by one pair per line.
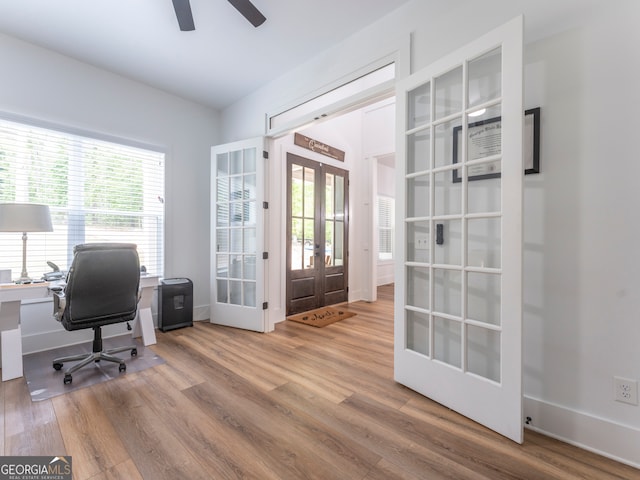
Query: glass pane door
x,y
303,217
237,235
458,312
334,220
236,227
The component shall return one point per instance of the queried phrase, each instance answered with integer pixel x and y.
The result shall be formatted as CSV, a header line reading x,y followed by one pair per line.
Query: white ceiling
x,y
224,59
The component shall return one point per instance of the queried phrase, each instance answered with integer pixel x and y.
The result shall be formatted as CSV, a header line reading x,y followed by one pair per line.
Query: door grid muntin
x,y
236,227
449,317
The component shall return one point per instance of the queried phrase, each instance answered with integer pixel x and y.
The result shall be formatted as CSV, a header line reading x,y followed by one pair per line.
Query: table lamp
x,y
24,217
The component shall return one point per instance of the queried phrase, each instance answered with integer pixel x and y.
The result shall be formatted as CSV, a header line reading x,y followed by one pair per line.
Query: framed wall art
x,y
484,140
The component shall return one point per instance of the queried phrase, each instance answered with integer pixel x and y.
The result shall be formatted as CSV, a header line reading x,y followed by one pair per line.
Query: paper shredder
x,y
175,303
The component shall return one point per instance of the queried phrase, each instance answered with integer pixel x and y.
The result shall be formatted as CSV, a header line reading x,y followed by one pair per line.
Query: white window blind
x,y
386,208
97,191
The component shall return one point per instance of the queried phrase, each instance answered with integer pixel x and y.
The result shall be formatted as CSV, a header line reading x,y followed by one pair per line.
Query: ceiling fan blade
x,y
183,13
249,11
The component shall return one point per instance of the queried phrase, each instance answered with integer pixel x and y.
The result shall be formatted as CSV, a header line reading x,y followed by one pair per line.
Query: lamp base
x,y
24,276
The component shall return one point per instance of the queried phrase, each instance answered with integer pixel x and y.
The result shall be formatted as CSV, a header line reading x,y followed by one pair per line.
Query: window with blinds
x,y
97,191
386,207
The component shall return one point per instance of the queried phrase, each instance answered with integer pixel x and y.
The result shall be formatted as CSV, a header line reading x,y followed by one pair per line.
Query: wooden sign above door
x,y
318,147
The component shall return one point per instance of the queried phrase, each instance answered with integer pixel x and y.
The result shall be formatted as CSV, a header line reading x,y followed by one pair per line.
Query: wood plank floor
x,y
299,403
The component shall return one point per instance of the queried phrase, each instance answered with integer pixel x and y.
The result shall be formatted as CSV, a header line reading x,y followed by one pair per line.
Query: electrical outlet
x,y
625,390
422,241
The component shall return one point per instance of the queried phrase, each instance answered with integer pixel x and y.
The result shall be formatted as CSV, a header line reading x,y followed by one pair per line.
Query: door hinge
x,y
265,255
265,154
265,305
265,205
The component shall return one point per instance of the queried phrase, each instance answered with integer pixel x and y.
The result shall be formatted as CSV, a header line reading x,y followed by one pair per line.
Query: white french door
x,y
238,268
458,307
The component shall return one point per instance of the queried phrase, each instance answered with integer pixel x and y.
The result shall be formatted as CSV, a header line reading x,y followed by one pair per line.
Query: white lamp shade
x,y
25,217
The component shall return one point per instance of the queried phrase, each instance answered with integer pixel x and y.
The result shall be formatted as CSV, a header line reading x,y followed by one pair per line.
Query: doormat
x,y
44,382
321,317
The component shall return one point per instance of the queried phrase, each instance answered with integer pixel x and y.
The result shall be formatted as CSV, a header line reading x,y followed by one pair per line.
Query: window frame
x,y
41,246
391,228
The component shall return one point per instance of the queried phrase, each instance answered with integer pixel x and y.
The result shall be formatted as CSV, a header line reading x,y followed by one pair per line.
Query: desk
x,y
144,320
11,296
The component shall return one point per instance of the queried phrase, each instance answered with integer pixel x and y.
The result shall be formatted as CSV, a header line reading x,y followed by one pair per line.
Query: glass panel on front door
x,y
302,217
334,220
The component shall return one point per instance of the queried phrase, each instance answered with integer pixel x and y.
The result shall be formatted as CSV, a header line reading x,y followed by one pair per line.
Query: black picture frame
x,y
531,140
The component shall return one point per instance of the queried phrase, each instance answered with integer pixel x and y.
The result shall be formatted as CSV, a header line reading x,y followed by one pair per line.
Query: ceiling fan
x,y
245,7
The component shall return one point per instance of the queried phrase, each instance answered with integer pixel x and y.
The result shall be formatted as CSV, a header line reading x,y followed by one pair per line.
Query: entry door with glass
x,y
317,229
459,284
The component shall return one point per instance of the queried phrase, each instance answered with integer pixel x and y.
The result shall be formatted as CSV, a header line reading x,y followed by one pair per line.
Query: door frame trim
x,y
399,54
322,169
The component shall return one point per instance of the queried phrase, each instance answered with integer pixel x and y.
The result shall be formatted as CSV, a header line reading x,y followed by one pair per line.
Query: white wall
x,y
385,174
581,324
386,183
49,87
581,307
379,138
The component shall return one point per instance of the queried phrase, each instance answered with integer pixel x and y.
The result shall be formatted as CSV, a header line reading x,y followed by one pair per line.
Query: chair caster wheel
x,y
134,352
57,365
122,367
67,379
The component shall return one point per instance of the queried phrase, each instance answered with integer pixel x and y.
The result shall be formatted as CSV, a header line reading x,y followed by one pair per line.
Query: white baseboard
x,y
355,295
604,437
202,312
386,279
59,337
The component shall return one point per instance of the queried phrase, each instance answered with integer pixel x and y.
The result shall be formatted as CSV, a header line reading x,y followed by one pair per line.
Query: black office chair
x,y
102,288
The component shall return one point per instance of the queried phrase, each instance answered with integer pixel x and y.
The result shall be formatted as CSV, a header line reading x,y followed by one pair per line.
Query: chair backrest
x,y
102,285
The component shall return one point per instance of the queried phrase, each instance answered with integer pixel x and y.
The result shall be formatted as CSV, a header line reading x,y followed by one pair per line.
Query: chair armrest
x,y
59,304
